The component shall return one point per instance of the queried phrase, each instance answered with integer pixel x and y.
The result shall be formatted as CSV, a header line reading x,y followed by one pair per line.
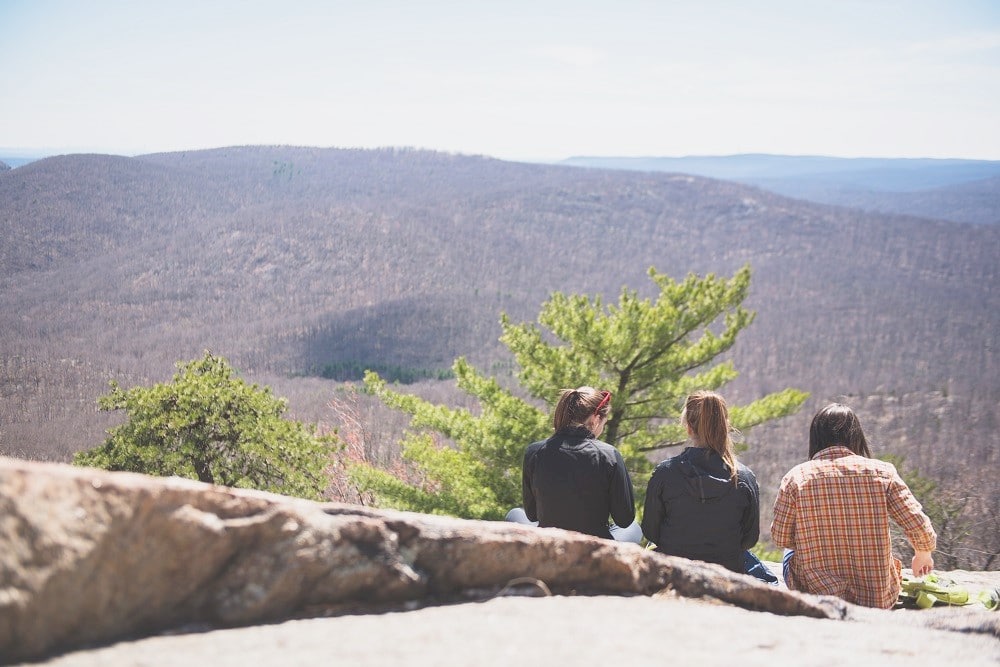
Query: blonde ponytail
x,y
706,415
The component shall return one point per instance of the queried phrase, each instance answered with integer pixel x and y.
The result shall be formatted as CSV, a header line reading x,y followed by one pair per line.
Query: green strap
x,y
930,590
990,599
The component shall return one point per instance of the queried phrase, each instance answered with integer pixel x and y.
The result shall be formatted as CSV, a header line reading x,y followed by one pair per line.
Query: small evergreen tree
x,y
649,354
480,476
212,426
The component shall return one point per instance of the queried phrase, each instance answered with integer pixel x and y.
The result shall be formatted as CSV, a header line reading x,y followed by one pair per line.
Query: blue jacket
x,y
575,481
693,510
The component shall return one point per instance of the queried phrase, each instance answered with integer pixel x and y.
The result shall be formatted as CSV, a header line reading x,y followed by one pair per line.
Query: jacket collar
x,y
581,432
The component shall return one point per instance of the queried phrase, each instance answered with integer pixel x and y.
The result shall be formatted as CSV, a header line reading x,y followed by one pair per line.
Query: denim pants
x,y
753,566
786,563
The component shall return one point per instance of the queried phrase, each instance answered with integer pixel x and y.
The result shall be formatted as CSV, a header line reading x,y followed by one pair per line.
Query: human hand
x,y
923,563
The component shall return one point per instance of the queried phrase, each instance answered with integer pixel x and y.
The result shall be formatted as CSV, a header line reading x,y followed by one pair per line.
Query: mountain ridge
x,y
907,186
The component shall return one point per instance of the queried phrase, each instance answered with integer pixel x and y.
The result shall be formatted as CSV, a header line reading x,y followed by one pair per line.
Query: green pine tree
x,y
212,426
649,354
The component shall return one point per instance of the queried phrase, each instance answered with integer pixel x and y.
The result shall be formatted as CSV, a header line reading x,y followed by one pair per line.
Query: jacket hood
x,y
705,474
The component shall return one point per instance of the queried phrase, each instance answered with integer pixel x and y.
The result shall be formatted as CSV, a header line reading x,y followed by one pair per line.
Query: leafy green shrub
x,y
212,426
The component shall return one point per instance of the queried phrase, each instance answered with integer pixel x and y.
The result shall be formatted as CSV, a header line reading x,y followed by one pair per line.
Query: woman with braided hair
x,y
574,481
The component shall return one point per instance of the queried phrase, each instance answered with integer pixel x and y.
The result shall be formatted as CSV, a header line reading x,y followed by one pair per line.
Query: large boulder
x,y
88,557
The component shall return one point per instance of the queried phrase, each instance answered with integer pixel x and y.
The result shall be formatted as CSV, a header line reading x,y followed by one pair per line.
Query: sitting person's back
x,y
574,481
703,504
832,514
695,510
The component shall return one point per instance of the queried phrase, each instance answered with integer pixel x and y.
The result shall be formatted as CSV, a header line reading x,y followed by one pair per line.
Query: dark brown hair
x,y
706,414
836,424
575,406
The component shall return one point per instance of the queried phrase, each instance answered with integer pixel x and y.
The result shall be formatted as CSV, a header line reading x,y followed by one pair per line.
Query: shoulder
x,y
607,456
667,463
745,474
882,466
885,471
677,459
606,449
798,473
533,448
852,463
667,467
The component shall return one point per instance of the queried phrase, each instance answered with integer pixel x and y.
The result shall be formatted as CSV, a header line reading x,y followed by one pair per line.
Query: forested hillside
x,y
298,264
956,190
974,201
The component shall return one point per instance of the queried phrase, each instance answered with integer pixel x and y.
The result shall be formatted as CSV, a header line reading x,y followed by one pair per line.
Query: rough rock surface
x,y
556,631
89,557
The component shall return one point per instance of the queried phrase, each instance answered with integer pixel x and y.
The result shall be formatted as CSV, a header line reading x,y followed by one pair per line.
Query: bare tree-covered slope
x,y
956,190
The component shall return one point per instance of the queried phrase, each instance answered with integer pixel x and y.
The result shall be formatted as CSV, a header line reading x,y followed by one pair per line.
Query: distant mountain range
x,y
959,190
304,266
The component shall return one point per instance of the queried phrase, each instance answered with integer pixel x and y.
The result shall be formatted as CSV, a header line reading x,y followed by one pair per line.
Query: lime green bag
x,y
928,591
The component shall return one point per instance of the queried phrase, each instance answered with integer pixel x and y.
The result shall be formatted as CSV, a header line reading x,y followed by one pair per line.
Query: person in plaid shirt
x,y
832,515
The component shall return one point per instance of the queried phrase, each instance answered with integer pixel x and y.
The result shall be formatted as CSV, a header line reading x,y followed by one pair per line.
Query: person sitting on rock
x,y
703,503
574,481
832,517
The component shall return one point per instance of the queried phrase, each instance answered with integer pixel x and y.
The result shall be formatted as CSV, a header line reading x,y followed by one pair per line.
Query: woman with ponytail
x,y
703,504
574,481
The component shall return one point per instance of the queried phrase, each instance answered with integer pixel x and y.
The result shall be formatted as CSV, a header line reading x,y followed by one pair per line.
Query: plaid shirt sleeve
x,y
783,524
906,511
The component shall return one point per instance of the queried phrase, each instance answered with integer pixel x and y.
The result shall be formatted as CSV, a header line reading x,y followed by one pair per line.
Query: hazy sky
x,y
523,80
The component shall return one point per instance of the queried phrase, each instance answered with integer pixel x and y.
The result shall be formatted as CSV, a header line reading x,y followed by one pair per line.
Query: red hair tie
x,y
604,401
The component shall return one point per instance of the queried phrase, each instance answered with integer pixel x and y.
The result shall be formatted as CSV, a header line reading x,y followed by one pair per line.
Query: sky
x,y
538,80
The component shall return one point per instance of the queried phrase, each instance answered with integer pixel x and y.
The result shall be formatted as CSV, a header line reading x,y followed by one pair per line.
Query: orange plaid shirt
x,y
834,511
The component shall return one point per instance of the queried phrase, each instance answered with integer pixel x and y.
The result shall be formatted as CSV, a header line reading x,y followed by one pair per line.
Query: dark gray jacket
x,y
575,481
693,510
